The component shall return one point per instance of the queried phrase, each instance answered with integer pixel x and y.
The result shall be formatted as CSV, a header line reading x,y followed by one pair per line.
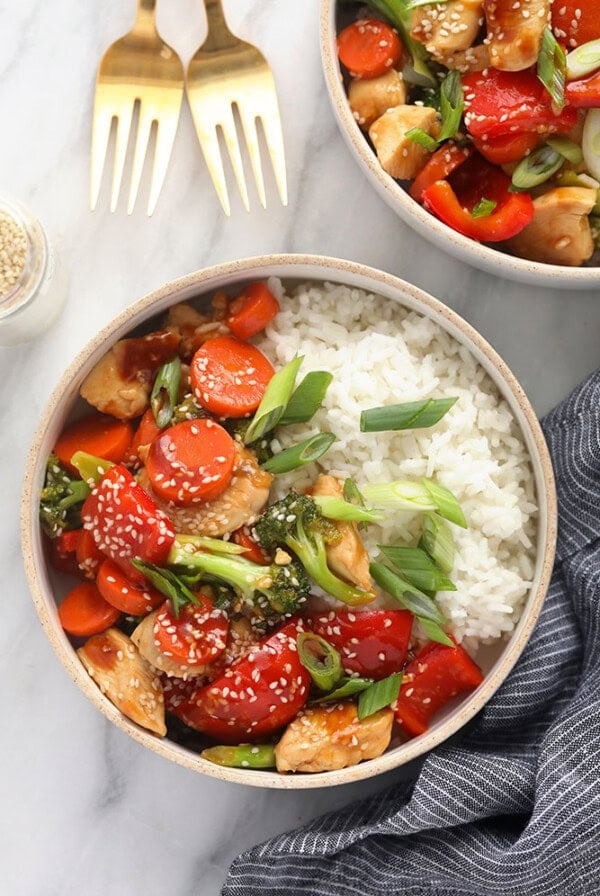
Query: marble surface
x,y
84,808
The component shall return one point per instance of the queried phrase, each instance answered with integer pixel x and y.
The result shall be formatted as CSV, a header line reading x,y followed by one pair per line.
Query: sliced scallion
x,y
352,492
206,543
165,393
452,101
409,415
422,138
337,509
274,401
435,632
418,568
551,67
307,398
399,495
90,468
536,168
567,148
381,694
242,756
437,539
590,143
415,4
484,208
322,661
407,595
298,455
446,503
583,60
347,688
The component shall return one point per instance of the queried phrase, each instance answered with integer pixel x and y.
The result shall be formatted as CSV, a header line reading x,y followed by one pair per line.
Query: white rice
x,y
379,354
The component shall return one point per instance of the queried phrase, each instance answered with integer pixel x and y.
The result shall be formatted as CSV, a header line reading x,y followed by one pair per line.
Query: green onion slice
x,y
298,455
418,568
552,67
168,584
347,687
409,415
307,398
399,495
452,101
567,148
274,401
590,143
445,503
352,492
379,695
536,168
90,468
415,4
407,595
321,659
437,539
243,756
165,392
337,509
583,60
418,135
484,208
206,543
435,632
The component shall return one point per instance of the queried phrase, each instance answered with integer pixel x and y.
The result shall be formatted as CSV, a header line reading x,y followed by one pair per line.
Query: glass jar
x,y
33,283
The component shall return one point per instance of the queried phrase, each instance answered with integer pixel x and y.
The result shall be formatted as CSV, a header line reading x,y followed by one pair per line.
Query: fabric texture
x,y
512,808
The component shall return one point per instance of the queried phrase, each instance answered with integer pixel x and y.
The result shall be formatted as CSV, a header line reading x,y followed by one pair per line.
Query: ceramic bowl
x,y
47,589
493,261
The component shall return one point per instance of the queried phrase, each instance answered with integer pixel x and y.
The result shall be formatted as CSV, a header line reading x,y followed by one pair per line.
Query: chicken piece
x,y
194,328
371,97
474,59
325,738
514,32
560,230
239,505
400,156
445,28
348,557
121,382
122,673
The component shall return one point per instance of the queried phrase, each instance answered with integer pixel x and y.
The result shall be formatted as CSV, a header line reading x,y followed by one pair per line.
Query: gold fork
x,y
227,73
140,67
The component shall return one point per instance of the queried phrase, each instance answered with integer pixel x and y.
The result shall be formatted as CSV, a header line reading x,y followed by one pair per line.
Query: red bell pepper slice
x,y
372,643
509,148
575,22
255,696
63,555
584,94
442,163
436,675
500,103
126,523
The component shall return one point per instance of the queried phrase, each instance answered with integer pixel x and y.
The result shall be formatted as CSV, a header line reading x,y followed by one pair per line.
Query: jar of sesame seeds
x,y
32,280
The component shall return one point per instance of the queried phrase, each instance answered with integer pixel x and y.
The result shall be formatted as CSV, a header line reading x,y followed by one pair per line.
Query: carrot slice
x,y
229,377
97,434
146,431
368,48
89,556
191,462
251,311
84,611
120,592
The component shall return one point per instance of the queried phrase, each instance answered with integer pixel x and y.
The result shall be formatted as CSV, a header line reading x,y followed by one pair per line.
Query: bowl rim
x,y
414,215
299,268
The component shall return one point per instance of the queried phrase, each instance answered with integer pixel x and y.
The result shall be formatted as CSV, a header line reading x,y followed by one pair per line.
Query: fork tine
x,y
212,156
100,136
123,129
271,122
249,125
141,146
227,123
165,138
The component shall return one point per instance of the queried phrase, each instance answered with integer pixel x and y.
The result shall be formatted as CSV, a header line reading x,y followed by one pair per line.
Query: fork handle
x,y
146,12
218,36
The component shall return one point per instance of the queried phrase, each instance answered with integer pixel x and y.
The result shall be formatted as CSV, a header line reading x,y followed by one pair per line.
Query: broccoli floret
x,y
283,588
61,499
295,522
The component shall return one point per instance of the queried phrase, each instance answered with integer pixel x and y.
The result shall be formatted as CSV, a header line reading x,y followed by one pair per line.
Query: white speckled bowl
x,y
46,588
493,261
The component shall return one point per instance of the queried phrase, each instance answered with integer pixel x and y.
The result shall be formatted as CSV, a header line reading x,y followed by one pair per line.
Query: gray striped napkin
x,y
512,809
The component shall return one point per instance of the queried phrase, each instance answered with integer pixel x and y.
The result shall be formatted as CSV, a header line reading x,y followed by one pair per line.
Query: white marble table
x,y
83,807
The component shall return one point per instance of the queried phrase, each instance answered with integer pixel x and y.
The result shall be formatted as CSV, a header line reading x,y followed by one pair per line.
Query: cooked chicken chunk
x,y
400,156
514,31
348,558
371,97
239,505
121,382
325,738
475,59
560,231
193,327
122,673
445,28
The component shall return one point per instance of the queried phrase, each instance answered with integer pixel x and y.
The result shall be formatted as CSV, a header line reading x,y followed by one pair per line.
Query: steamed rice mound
x,y
379,353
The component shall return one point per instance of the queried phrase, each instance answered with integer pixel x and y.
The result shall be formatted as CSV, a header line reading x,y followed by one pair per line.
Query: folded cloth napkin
x,y
514,807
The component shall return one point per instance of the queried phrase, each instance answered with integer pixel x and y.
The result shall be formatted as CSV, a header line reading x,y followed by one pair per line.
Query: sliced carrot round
x,y
368,48
195,637
229,377
251,311
96,434
84,611
147,430
89,556
191,462
120,592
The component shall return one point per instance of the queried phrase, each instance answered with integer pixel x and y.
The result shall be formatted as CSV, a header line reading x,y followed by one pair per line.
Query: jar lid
x,y
23,256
